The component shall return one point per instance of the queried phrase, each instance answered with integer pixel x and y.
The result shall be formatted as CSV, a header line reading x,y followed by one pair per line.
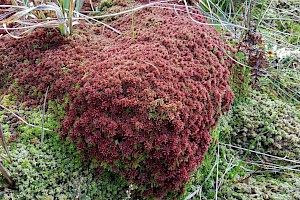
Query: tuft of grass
x,y
22,17
29,16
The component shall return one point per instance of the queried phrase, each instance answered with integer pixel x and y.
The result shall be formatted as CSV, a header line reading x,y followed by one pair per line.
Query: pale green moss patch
x,y
271,125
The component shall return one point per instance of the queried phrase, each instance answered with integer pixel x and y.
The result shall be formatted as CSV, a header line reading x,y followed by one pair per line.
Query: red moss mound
x,y
144,106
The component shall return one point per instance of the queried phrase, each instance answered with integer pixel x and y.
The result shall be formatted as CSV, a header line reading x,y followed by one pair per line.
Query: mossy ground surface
x,y
54,169
264,122
241,174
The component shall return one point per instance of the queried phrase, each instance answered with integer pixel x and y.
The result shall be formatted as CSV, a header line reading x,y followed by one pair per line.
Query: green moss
x,y
205,176
64,69
55,169
25,164
104,5
283,84
240,79
57,109
273,126
266,186
7,100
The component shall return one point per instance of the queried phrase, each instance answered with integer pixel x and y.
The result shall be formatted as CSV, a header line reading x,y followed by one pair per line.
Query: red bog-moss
x,y
143,102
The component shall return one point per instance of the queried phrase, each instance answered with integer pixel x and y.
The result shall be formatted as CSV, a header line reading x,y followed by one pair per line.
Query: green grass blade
x,y
79,4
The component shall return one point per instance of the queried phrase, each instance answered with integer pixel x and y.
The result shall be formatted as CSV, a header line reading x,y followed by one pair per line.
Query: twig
x,y
3,143
243,179
20,118
228,169
199,190
271,167
6,174
264,154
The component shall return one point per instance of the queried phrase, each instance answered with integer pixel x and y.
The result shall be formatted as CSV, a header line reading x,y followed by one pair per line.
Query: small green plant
x,y
105,5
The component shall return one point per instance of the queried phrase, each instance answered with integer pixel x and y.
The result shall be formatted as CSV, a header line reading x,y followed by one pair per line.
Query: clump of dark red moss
x,y
143,105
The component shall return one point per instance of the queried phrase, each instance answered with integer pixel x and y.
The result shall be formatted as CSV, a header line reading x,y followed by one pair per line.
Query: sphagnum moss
x,y
55,169
49,172
274,125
